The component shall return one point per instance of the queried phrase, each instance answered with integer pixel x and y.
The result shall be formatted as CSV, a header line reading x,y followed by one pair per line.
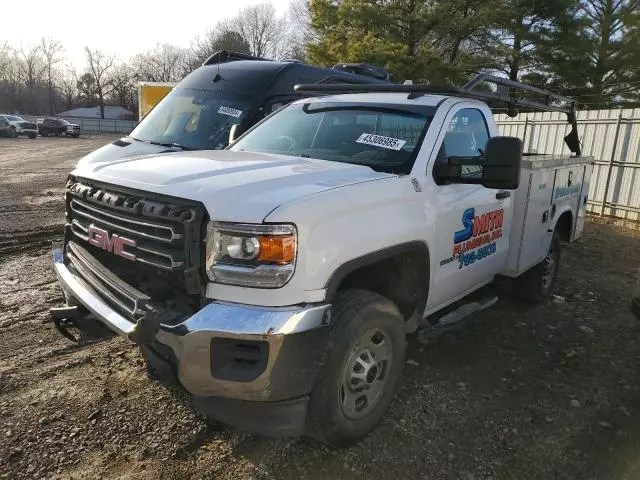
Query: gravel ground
x,y
545,392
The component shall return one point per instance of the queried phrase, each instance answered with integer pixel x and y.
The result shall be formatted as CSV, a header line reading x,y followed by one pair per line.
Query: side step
x,y
454,319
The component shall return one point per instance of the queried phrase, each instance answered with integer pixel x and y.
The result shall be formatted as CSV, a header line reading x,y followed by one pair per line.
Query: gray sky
x,y
118,27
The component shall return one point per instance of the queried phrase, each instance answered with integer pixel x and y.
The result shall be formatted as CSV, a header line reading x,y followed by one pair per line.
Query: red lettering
x,y
479,224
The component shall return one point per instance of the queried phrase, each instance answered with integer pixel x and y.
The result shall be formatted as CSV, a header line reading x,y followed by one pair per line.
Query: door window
x,y
466,139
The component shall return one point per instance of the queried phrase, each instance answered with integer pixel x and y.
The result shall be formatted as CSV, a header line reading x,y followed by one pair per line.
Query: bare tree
x,y
51,49
165,63
68,87
124,87
214,41
301,33
263,30
99,66
32,68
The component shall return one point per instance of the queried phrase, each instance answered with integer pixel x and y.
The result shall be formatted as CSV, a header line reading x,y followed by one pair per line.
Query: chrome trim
x,y
256,228
78,289
191,343
191,339
174,235
173,265
102,283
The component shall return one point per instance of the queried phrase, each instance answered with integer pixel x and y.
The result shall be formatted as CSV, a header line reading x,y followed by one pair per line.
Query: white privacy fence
x,y
97,125
611,137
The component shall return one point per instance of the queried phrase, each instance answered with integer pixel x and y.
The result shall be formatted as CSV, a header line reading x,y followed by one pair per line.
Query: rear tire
x,y
538,283
362,363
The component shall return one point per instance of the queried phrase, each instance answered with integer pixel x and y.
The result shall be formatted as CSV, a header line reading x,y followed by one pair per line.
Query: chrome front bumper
x,y
291,340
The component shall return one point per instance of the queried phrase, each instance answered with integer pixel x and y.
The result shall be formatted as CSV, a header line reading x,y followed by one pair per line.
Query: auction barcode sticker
x,y
232,112
380,141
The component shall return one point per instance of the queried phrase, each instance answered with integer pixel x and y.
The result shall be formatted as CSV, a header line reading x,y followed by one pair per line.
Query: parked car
x,y
276,280
6,129
21,126
58,126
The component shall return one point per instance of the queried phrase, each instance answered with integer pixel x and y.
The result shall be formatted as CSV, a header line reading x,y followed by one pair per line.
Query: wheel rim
x,y
365,374
549,267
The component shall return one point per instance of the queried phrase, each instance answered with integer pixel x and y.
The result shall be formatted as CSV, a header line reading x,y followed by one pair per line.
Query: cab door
x,y
472,223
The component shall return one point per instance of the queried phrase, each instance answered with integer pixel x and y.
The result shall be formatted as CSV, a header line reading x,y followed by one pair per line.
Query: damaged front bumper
x,y
248,366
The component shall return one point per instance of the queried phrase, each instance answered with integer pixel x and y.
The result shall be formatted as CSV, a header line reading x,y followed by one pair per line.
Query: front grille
x,y
159,234
135,248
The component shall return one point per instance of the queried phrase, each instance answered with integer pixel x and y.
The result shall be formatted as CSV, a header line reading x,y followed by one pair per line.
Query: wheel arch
x,y
564,225
400,272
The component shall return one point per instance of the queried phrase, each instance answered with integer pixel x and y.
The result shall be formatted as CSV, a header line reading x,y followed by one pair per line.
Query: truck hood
x,y
233,186
123,148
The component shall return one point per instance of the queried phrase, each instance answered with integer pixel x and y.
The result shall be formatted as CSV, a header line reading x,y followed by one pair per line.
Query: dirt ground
x,y
545,392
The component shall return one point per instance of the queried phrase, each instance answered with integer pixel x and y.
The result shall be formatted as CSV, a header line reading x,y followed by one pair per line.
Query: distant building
x,y
111,112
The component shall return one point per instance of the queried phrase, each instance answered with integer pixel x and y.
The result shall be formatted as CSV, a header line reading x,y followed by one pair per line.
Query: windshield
x,y
62,121
193,119
13,118
383,137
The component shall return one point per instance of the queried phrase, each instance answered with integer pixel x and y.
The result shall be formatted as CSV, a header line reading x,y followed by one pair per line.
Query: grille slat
x,y
123,302
98,215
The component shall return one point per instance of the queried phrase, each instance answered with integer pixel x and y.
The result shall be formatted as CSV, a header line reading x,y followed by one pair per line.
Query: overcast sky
x,y
118,27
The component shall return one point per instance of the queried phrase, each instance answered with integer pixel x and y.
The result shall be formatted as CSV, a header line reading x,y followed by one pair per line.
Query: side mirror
x,y
235,132
502,163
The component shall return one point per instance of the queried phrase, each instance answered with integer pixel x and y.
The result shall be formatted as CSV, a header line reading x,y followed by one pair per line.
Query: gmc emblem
x,y
100,238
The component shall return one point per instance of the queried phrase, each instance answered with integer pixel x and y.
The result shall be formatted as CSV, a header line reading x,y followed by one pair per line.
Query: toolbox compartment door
x,y
582,204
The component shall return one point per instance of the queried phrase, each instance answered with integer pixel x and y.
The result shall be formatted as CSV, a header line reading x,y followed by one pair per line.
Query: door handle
x,y
503,194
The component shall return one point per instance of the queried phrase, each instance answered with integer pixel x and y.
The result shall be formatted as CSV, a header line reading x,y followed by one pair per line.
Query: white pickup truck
x,y
276,280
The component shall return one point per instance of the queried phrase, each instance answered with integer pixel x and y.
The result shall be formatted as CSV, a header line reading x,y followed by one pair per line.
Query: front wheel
x,y
538,283
363,361
31,135
13,133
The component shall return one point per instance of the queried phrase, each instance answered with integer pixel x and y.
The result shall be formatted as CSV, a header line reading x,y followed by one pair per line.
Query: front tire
x,y
362,363
13,133
538,283
32,135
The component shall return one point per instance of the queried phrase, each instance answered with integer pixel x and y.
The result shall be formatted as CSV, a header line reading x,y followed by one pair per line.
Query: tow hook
x,y
146,328
64,317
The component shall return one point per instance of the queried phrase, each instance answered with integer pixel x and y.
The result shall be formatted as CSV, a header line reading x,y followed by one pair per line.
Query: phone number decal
x,y
466,259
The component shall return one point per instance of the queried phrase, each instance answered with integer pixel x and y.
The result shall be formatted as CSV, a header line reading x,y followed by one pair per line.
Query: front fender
x,y
354,224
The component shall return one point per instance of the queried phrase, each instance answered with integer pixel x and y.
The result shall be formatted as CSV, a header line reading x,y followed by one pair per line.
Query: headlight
x,y
251,255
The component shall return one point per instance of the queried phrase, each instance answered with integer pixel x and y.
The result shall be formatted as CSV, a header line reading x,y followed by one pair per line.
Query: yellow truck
x,y
150,94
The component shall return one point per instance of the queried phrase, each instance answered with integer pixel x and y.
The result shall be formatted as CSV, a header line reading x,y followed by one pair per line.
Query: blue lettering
x,y
467,223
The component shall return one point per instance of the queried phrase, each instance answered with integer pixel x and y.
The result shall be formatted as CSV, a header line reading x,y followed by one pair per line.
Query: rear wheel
x,y
538,283
362,364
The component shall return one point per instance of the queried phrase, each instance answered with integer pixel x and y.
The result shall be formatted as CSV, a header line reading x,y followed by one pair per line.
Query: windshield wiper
x,y
168,145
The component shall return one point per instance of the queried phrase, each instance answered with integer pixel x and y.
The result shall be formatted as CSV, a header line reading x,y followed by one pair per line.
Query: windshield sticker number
x,y
232,112
380,141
